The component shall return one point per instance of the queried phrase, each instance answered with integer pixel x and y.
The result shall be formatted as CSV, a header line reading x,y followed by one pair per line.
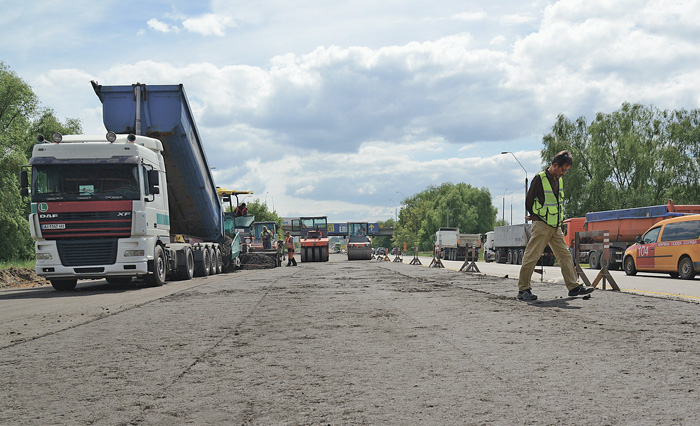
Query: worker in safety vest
x,y
289,243
266,236
544,203
241,210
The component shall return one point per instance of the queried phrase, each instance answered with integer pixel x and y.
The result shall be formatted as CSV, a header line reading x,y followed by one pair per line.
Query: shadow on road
x,y
556,303
86,288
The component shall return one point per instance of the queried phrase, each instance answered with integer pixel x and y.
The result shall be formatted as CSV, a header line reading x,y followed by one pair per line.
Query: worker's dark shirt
x,y
536,190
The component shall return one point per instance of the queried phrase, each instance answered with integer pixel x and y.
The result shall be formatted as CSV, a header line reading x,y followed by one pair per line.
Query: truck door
x,y
647,250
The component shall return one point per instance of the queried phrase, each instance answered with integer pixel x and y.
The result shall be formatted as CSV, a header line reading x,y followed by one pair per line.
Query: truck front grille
x,y
87,252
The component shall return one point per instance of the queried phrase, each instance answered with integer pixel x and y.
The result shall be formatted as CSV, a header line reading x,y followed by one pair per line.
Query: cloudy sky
x,y
343,108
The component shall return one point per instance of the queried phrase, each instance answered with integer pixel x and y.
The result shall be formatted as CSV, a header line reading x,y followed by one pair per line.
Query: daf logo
x,y
48,216
123,214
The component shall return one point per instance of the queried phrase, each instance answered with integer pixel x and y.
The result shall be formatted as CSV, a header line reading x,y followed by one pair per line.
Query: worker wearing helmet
x,y
289,243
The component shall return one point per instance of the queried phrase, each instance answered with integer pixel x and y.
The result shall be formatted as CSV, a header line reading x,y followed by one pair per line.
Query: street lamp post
x,y
516,159
396,211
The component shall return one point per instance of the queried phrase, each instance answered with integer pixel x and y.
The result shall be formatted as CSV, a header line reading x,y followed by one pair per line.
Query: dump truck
x,y
506,244
138,202
359,245
313,239
454,245
623,227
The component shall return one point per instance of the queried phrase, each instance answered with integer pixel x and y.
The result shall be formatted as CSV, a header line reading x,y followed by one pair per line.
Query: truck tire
x,y
202,262
509,257
157,269
630,269
64,285
219,261
185,271
685,268
214,261
594,260
521,254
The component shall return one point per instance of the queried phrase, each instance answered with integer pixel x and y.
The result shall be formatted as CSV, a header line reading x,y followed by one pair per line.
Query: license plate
x,y
54,226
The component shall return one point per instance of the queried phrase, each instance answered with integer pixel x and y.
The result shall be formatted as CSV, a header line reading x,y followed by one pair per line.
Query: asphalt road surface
x,y
362,342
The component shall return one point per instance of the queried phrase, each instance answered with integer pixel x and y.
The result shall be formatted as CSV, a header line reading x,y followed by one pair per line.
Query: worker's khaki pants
x,y
543,234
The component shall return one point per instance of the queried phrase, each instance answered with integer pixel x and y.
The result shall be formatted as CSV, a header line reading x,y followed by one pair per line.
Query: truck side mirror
x,y
153,182
24,183
639,240
24,179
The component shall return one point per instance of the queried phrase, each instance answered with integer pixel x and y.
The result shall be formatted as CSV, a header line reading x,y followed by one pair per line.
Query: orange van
x,y
671,246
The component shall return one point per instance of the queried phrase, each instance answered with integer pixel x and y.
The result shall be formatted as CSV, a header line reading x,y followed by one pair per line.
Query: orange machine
x,y
313,239
623,226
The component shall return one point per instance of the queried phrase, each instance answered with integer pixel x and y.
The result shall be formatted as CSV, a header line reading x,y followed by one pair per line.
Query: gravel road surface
x,y
362,342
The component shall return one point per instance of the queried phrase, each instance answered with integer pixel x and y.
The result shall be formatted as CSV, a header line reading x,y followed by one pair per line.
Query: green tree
x,y
469,209
636,156
384,241
21,118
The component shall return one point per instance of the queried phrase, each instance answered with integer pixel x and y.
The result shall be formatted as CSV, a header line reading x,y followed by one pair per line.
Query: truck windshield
x,y
85,182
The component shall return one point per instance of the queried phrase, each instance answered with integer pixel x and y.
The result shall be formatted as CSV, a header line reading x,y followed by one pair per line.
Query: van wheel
x,y
685,269
630,269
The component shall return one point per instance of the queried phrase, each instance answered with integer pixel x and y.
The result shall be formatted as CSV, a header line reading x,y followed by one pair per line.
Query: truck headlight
x,y
134,253
44,256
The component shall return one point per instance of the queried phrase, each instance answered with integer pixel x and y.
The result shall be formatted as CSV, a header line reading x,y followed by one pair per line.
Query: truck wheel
x,y
219,261
594,260
509,257
521,254
157,276
213,266
630,269
685,268
186,270
64,285
202,263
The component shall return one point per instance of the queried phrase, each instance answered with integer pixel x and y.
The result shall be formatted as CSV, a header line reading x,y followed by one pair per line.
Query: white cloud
x,y
209,24
470,16
160,26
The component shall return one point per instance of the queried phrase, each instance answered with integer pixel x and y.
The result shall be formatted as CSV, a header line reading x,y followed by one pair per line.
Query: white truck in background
x,y
454,245
506,244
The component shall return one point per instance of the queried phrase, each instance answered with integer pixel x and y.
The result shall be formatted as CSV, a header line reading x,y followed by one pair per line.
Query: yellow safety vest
x,y
552,211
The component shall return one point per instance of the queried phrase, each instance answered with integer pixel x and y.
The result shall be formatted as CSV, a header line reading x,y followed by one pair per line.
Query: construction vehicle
x,y
506,244
139,202
255,243
313,239
236,228
359,245
453,245
623,227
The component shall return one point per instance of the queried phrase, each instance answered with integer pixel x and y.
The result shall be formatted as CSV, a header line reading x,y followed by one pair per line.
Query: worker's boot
x,y
289,262
294,262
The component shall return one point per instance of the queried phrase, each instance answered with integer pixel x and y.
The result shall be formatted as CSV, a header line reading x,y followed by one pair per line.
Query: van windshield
x,y
65,182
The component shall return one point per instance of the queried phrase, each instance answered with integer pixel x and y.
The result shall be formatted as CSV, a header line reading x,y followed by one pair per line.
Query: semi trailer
x,y
138,202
